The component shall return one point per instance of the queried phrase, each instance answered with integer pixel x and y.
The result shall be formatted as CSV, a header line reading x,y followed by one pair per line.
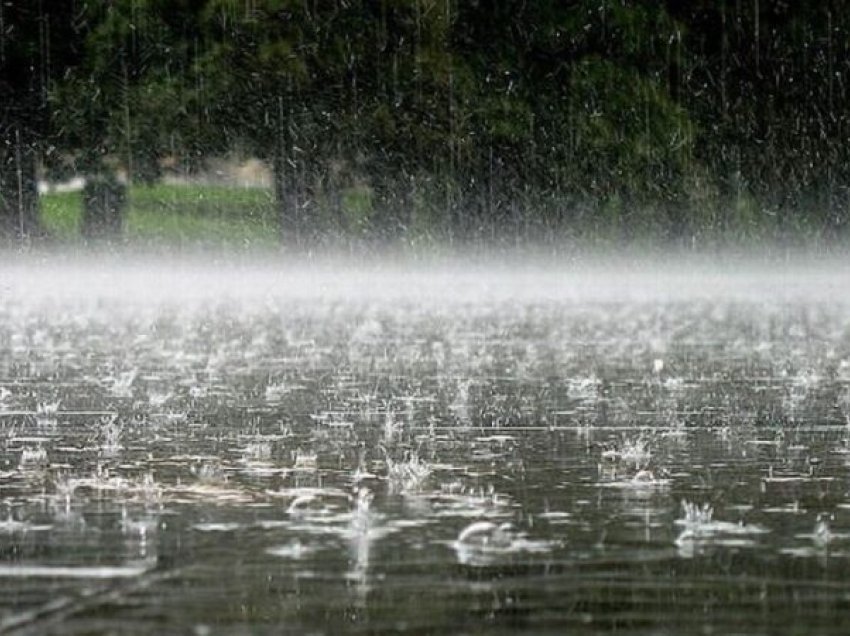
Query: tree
x,y
767,83
479,108
128,103
39,42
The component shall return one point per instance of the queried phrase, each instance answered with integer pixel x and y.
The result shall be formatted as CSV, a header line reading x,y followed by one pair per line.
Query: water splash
x,y
122,385
484,543
33,458
408,475
110,430
700,530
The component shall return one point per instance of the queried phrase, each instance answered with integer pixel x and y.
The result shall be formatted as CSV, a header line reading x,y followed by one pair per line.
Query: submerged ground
x,y
254,448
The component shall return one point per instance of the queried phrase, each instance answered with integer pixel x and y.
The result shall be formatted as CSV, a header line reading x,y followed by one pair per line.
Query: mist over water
x,y
491,446
129,277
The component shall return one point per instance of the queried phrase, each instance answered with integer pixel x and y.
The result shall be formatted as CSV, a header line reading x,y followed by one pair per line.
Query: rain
x,y
423,316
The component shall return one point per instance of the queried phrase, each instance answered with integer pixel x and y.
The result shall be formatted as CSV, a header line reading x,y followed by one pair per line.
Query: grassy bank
x,y
176,215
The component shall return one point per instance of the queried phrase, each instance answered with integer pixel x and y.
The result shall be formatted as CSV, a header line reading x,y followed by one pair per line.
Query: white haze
x,y
152,280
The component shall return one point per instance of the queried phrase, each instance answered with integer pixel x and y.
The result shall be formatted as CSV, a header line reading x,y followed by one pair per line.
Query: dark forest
x,y
704,121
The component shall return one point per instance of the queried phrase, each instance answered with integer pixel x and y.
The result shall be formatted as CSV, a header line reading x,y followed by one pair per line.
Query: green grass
x,y
177,214
238,218
60,214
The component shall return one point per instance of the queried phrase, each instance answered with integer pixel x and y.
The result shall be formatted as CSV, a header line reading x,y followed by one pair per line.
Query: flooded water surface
x,y
266,450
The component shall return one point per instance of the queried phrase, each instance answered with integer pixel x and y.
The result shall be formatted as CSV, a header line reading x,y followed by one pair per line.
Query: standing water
x,y
240,449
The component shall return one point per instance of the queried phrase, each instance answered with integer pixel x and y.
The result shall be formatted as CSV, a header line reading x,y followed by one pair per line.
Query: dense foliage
x,y
448,118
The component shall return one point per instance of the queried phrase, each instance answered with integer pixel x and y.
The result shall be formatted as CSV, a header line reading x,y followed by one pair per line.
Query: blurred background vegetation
x,y
437,121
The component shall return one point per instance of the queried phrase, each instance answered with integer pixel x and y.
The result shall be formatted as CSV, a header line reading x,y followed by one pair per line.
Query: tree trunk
x,y
104,206
289,222
19,216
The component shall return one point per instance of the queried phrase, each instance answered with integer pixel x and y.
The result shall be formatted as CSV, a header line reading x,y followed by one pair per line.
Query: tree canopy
x,y
678,117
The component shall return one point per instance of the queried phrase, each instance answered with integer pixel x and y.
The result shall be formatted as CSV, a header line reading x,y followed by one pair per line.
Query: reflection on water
x,y
540,451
